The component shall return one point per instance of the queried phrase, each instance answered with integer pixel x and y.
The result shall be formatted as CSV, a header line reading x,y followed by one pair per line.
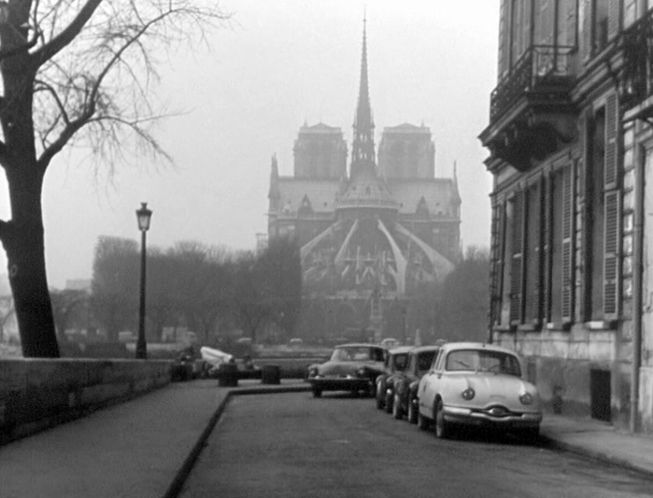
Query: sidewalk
x,y
599,440
143,448
134,449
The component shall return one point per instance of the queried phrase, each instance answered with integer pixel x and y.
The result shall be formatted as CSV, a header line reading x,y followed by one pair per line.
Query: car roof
x,y
359,345
400,349
424,349
451,346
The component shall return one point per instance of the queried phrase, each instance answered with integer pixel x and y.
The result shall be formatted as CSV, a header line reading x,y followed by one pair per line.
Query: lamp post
x,y
143,216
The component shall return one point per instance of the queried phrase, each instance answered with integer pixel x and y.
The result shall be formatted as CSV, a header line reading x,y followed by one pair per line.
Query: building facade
x,y
371,236
570,147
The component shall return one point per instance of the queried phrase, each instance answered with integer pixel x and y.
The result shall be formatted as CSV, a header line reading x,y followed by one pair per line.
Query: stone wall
x,y
38,393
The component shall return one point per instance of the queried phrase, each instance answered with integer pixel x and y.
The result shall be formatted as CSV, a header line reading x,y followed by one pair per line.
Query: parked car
x,y
396,361
405,383
352,367
480,385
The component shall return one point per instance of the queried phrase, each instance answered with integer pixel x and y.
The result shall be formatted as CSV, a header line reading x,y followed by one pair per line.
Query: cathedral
x,y
373,237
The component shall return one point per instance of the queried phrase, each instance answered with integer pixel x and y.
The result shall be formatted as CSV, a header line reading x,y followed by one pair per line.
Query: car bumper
x,y
340,383
513,420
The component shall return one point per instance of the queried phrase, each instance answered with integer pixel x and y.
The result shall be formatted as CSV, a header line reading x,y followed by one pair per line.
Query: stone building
x,y
570,147
372,236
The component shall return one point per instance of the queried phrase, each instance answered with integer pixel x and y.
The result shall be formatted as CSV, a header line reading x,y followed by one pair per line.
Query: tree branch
x,y
63,39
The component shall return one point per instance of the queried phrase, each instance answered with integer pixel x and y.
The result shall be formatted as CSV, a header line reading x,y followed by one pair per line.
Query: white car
x,y
481,385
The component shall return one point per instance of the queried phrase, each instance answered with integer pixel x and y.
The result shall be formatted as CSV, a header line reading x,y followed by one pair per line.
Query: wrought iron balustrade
x,y
637,76
544,68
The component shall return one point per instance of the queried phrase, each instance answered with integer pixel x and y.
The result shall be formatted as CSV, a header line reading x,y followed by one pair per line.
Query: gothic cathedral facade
x,y
371,237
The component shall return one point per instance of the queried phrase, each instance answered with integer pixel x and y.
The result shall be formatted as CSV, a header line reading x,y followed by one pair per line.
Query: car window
x,y
376,354
424,360
483,361
400,361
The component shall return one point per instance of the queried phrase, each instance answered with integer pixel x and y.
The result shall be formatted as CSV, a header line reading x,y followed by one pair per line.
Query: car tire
x,y
412,412
422,421
396,408
379,396
442,427
317,393
388,403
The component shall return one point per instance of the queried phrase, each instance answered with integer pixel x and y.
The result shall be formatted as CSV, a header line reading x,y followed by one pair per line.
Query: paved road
x,y
337,446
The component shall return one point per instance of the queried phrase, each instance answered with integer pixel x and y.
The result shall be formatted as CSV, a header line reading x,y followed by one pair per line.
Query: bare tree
x,y
73,72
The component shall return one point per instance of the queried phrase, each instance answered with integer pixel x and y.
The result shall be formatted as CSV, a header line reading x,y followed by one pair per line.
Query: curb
x,y
189,462
596,455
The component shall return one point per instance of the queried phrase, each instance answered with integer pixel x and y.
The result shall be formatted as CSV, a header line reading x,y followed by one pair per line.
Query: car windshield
x,y
400,361
483,361
356,353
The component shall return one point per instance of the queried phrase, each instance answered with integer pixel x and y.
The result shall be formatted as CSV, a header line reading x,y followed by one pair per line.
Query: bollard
x,y
228,375
270,374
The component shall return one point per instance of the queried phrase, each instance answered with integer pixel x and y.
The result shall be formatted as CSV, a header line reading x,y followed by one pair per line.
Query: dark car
x,y
352,367
396,361
405,383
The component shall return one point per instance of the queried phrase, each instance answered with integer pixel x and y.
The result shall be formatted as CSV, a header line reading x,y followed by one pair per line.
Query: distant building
x,y
571,151
370,237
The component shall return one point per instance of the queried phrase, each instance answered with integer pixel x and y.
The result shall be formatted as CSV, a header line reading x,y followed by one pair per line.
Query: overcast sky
x,y
281,64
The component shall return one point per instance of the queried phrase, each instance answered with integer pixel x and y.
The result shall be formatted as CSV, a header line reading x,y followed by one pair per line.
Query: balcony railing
x,y
637,76
543,68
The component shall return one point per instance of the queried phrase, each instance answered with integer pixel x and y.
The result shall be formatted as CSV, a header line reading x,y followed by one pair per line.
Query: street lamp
x,y
143,216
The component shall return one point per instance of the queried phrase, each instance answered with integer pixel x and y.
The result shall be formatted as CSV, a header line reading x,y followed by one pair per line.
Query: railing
x,y
543,67
637,76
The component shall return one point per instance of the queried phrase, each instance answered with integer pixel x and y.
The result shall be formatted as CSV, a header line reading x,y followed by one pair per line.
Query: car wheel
x,y
412,412
396,407
422,422
388,403
317,393
442,428
379,396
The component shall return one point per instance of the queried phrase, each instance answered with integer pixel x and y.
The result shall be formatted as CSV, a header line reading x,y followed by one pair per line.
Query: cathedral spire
x,y
363,143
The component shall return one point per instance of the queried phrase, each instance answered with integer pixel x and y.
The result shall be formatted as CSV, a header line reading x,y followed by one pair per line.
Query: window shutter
x,y
572,23
612,211
585,12
611,256
611,152
614,16
516,280
497,255
567,293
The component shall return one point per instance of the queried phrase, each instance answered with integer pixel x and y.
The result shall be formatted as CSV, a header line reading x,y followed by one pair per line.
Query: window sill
x,y
600,325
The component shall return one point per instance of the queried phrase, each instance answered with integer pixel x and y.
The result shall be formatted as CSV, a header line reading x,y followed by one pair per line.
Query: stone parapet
x,y
38,393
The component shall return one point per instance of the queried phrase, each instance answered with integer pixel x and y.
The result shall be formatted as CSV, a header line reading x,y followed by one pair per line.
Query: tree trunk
x,y
22,236
25,249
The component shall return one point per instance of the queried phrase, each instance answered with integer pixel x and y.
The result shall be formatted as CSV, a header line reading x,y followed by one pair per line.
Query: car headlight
x,y
312,372
468,394
526,399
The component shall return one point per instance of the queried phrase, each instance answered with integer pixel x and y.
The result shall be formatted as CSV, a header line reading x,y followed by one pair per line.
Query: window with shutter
x,y
611,257
611,133
516,270
497,257
612,211
532,254
567,243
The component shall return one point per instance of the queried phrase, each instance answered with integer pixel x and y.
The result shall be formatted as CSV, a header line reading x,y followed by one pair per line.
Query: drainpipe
x,y
638,270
